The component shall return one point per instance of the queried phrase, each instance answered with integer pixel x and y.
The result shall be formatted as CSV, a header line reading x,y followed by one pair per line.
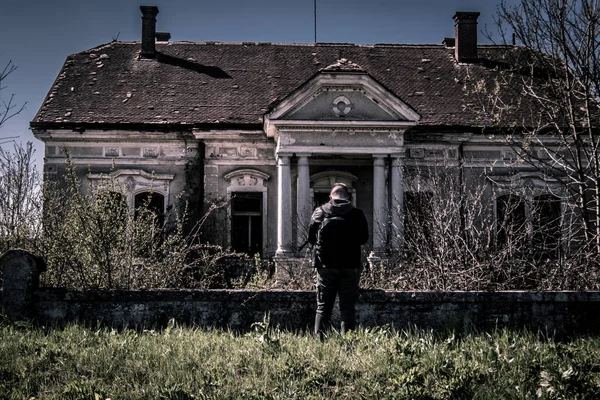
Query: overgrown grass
x,y
379,363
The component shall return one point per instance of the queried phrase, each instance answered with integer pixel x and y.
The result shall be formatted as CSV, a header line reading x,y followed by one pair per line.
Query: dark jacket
x,y
346,244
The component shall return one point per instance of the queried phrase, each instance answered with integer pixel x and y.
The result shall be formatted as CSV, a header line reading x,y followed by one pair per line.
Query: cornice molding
x,y
132,172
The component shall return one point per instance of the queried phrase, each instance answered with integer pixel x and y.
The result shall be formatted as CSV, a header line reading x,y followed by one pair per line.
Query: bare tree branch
x,y
8,108
560,48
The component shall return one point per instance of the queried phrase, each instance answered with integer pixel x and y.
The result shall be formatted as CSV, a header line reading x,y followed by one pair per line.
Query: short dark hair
x,y
340,190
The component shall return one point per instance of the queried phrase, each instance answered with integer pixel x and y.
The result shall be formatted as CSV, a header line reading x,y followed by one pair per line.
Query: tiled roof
x,y
236,83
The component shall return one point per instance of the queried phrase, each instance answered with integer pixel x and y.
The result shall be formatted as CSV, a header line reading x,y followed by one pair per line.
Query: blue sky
x,y
38,35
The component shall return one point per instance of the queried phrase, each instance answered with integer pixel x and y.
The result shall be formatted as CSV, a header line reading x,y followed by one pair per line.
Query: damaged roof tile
x,y
202,83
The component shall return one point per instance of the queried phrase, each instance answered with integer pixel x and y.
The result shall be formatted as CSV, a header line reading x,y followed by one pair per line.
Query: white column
x,y
379,204
284,206
303,203
397,204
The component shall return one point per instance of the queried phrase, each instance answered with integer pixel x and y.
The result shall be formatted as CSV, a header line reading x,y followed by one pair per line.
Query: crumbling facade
x,y
273,126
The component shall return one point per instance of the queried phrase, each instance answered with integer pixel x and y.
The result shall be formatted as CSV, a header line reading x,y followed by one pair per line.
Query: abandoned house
x,y
270,127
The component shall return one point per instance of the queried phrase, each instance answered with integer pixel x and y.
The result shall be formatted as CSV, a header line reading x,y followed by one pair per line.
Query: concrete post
x,y
21,274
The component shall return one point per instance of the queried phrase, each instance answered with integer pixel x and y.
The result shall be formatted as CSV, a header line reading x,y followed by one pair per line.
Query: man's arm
x,y
315,222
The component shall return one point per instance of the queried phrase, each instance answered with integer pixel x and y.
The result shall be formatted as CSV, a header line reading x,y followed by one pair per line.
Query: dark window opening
x,y
511,228
153,202
546,224
246,222
320,198
536,223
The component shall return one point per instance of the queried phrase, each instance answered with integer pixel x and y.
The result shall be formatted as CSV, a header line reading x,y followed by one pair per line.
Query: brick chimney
x,y
465,24
148,31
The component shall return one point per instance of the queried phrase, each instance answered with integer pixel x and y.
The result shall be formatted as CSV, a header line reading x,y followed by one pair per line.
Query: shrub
x,y
93,240
453,242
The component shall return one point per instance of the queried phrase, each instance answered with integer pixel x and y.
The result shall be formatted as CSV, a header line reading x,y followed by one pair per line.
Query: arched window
x,y
137,185
153,202
322,182
247,225
246,222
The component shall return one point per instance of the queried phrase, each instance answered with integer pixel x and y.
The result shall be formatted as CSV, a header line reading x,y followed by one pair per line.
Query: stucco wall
x,y
104,152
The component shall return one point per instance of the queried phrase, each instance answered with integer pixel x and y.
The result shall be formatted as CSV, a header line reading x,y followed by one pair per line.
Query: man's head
x,y
339,191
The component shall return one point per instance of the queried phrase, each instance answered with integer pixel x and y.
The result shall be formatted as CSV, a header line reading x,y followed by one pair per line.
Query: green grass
x,y
380,363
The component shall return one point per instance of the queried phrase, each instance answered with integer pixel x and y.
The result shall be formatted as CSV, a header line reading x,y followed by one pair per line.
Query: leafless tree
x,y
20,197
8,107
456,237
548,92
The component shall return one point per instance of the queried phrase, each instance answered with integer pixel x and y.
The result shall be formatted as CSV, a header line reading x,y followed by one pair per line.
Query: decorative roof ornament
x,y
344,65
342,106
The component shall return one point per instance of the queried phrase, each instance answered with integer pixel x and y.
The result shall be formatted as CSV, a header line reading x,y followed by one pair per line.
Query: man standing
x,y
337,230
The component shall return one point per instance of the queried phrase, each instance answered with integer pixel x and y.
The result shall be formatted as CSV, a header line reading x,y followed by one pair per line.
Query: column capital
x,y
279,154
303,155
303,160
379,160
397,161
283,159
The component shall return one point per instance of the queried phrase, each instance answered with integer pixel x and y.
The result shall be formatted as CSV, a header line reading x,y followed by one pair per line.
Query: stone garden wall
x,y
555,313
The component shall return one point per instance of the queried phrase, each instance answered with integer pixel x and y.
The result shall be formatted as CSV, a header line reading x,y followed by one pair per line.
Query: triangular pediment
x,y
343,92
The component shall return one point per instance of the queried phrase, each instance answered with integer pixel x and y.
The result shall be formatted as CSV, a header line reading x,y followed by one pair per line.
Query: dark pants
x,y
332,282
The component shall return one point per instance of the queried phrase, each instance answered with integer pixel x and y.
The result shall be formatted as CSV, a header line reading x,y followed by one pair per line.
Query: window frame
x,y
529,188
248,214
248,180
132,182
322,182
